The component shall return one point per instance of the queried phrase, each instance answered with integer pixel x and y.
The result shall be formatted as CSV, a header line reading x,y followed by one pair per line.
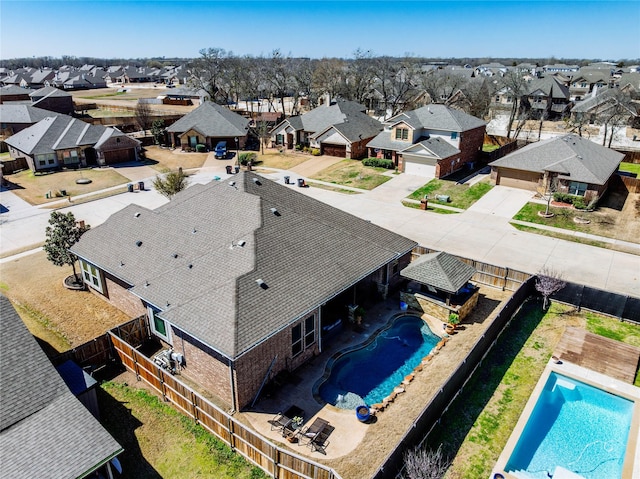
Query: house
x,y
587,80
243,278
207,125
53,99
601,105
337,128
44,430
568,164
11,93
186,95
15,117
432,141
547,98
560,68
63,141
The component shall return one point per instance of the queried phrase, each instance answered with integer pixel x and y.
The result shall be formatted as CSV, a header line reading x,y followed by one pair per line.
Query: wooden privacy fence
x,y
277,462
496,276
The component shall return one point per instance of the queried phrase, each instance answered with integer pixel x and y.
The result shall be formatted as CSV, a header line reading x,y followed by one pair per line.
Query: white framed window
x,y
402,133
158,325
303,335
309,331
92,275
577,188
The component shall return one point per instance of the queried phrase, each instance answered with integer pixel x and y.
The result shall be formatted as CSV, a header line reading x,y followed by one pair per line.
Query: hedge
x,y
379,162
201,148
245,158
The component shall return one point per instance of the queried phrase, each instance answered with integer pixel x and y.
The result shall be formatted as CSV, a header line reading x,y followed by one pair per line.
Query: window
x,y
158,325
92,275
402,133
279,139
454,135
577,188
303,335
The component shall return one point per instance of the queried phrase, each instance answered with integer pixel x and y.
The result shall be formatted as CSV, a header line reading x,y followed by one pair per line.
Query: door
x,y
193,141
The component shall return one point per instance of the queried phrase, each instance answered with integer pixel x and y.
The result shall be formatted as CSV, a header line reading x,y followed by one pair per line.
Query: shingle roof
x,y
433,147
49,91
44,430
306,254
60,132
13,90
212,120
438,117
573,157
440,270
335,113
550,86
15,113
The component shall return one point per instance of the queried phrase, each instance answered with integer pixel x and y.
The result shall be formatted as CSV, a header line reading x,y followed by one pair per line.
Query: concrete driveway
x,y
502,201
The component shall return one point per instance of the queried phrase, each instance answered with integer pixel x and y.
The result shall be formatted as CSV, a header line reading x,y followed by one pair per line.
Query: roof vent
x,y
262,284
232,184
121,264
146,284
175,255
190,266
194,231
168,304
257,181
137,215
138,243
275,211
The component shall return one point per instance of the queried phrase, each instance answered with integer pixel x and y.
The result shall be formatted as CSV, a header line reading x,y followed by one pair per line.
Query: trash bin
x,y
130,187
141,185
286,180
228,167
63,192
237,168
301,182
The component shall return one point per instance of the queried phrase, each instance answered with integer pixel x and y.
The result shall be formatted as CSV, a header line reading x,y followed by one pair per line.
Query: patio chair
x,y
280,422
315,436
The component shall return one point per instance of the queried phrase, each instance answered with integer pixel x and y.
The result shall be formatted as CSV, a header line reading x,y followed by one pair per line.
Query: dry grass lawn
x,y
353,173
281,161
33,188
165,159
58,316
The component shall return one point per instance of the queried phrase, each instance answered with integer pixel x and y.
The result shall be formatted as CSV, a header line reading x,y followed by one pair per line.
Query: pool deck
x,y
600,354
631,465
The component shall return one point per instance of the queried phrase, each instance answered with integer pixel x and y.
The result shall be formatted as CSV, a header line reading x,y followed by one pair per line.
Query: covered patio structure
x,y
439,285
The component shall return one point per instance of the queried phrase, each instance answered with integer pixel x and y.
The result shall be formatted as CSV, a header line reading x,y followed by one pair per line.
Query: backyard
x,y
478,424
461,196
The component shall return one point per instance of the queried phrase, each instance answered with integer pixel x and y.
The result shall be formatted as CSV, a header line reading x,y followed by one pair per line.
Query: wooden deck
x,y
603,355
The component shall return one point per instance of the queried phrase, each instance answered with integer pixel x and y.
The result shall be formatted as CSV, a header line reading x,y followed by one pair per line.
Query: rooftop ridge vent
x,y
137,214
138,243
262,284
275,211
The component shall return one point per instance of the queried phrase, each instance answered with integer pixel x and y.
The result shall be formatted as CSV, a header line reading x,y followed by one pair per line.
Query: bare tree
x,y
207,71
279,77
329,78
517,86
396,82
548,282
143,116
614,114
425,464
361,75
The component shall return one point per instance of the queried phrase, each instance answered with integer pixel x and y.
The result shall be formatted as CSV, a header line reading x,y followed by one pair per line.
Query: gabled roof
x,y
550,86
44,430
335,113
212,120
48,91
205,283
440,270
13,90
355,127
438,117
62,132
573,157
432,147
16,113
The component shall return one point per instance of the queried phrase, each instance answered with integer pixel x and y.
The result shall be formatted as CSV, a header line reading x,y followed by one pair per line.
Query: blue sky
x,y
605,29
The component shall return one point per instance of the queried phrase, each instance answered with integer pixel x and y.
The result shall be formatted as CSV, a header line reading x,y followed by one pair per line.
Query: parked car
x,y
221,150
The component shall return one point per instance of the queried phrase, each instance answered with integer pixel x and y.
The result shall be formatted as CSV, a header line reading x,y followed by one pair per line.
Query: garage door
x,y
418,168
334,150
118,156
526,180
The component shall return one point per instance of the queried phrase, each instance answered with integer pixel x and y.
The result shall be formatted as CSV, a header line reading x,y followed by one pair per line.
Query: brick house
x,y
53,99
337,128
241,277
568,164
62,141
432,141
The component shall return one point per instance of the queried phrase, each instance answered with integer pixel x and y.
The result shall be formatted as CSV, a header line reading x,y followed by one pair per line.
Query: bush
x,y
247,157
379,162
579,202
563,197
298,147
315,151
201,148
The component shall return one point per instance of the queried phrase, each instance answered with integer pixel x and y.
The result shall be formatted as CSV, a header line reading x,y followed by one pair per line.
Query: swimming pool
x,y
574,428
369,374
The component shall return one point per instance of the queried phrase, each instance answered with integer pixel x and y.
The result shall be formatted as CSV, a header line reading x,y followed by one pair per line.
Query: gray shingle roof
x,y
307,254
356,127
13,90
433,147
573,157
60,132
15,113
438,117
551,87
440,270
49,91
44,430
212,120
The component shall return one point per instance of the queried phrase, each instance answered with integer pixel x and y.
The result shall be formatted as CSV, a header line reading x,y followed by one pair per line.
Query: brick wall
x,y
471,144
116,294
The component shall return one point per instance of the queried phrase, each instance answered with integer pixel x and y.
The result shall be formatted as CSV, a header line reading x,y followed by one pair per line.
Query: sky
x,y
604,29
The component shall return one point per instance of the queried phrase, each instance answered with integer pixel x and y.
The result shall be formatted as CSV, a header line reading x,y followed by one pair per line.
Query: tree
x,y
207,71
548,282
517,86
172,183
425,464
263,131
143,116
157,130
62,234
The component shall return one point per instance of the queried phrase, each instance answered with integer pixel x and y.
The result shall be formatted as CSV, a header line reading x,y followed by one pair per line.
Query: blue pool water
x,y
575,426
369,374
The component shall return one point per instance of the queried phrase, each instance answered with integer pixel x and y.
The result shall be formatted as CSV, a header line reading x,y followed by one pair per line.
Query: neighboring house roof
x,y
438,117
48,92
18,113
12,90
355,127
204,283
432,147
440,270
212,120
61,132
550,86
337,112
44,430
571,156
599,101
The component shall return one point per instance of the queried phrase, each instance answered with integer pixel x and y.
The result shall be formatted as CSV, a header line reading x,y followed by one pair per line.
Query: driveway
x,y
315,164
502,201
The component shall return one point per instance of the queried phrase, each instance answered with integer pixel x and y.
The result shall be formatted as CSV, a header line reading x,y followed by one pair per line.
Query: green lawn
x,y
489,147
158,441
353,173
630,168
462,196
479,422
